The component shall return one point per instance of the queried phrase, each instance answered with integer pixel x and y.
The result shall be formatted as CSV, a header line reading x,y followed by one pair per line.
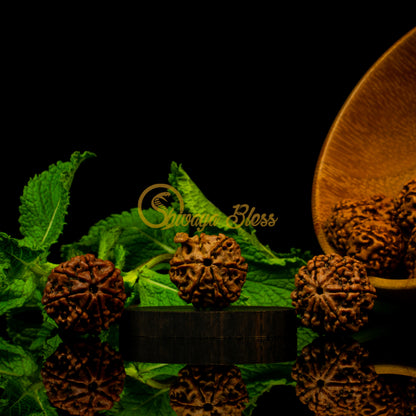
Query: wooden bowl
x,y
371,146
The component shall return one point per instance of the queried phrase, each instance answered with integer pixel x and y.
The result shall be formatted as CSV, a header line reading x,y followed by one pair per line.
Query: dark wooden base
x,y
236,335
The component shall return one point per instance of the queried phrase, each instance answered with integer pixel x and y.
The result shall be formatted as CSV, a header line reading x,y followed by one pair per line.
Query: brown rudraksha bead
x,y
378,244
410,398
405,205
208,270
209,390
333,294
84,377
397,396
332,376
84,294
410,256
348,213
335,377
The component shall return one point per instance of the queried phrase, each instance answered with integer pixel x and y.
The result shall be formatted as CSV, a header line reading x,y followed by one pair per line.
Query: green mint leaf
x,y
19,273
195,203
14,255
139,242
108,242
260,378
20,397
269,285
141,399
270,279
156,289
45,201
120,254
17,293
153,374
15,361
305,337
22,391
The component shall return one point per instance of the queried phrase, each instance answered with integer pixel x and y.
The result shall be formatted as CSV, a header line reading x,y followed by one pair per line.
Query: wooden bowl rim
x,y
398,369
378,282
393,284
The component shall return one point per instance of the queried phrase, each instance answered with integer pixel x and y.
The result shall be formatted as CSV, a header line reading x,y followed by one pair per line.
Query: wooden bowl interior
x,y
371,146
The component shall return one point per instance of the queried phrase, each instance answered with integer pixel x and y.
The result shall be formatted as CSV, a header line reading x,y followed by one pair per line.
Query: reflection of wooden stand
x,y
235,335
400,370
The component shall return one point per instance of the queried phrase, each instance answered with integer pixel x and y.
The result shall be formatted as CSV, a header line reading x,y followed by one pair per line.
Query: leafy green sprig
x,y
125,239
23,262
142,253
134,247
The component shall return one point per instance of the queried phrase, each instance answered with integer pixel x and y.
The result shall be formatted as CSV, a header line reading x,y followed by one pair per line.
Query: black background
x,y
244,107
244,104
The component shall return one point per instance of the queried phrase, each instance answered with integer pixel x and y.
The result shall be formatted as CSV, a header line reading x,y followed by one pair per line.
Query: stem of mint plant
x,y
161,258
40,271
132,276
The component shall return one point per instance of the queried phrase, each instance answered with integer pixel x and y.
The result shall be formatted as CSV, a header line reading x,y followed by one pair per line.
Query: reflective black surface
x,y
43,372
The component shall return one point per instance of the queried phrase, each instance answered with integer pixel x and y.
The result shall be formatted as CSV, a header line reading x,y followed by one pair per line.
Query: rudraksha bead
x,y
378,245
209,390
84,294
410,256
84,377
348,213
208,270
335,377
405,205
333,294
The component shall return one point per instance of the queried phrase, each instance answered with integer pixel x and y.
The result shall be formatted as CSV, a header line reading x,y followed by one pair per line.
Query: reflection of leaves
x,y
141,399
22,390
260,378
20,398
146,388
15,361
147,384
305,336
158,374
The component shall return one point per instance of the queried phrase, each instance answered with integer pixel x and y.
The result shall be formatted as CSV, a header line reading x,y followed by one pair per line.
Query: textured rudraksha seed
x,y
348,213
410,257
411,396
396,396
333,294
84,294
209,390
84,377
208,270
405,205
335,377
378,245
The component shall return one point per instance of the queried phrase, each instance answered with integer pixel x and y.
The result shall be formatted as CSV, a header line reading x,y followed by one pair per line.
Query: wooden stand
x,y
236,335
